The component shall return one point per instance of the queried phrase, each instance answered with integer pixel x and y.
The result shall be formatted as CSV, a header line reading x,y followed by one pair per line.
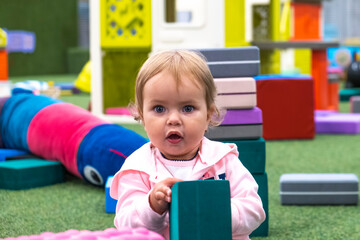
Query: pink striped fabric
x,y
56,131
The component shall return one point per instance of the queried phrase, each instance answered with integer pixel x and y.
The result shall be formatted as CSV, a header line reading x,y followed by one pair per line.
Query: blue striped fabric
x,y
16,115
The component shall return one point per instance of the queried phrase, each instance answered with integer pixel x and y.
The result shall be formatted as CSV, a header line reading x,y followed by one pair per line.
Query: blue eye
x,y
159,109
188,108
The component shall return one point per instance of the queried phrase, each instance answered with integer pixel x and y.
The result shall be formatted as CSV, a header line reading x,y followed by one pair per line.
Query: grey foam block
x,y
319,189
355,104
233,61
228,132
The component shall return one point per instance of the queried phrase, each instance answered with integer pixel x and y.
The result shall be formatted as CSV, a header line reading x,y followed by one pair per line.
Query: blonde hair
x,y
178,63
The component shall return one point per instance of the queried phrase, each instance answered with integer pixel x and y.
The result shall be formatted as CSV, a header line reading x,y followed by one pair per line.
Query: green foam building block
x,y
30,173
347,93
200,210
262,181
252,154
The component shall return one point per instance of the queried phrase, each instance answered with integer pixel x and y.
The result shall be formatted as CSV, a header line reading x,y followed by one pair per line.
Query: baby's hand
x,y
160,196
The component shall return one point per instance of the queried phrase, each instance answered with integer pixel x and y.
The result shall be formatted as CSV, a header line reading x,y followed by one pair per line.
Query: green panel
x,y
275,19
262,181
76,59
235,23
252,154
120,69
200,210
270,61
55,26
125,24
261,22
30,173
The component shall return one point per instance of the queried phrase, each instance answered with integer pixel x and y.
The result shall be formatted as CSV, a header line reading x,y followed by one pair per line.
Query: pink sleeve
x,y
131,189
247,211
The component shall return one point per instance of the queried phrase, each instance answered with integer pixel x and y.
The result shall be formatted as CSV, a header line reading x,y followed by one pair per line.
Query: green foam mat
x,y
262,181
30,173
252,154
200,210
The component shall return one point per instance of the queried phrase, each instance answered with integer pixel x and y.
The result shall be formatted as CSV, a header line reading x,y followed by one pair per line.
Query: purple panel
x,y
243,116
337,123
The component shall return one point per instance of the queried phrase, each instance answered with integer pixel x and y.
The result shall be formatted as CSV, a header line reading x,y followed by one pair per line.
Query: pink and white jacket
x,y
132,185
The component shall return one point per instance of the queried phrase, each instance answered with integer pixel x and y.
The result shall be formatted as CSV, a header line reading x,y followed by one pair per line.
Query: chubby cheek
x,y
154,129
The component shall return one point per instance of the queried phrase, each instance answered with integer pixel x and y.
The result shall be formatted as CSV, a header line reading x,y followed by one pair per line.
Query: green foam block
x,y
30,173
200,210
252,154
347,93
262,181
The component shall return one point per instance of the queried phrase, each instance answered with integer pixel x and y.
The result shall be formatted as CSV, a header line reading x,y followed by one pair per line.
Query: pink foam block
x,y
110,233
57,130
236,93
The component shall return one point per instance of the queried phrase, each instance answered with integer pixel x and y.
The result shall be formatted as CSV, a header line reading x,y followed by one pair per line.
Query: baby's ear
x,y
210,112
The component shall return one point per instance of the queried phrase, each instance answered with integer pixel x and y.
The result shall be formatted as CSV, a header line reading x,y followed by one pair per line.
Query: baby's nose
x,y
174,118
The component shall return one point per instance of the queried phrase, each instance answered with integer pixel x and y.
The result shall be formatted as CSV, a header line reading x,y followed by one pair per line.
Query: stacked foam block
x,y
200,210
233,69
87,146
287,104
110,233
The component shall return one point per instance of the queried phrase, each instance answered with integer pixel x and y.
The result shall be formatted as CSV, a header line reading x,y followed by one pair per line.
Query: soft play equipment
x,y
6,154
252,153
110,203
330,122
234,70
87,146
236,93
200,210
30,173
347,93
238,124
319,189
83,82
287,104
355,104
109,233
233,61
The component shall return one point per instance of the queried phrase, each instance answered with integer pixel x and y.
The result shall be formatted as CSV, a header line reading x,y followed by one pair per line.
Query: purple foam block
x,y
243,116
337,123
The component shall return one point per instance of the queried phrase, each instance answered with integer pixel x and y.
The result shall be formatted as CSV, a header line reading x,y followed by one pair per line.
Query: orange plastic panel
x,y
306,21
3,65
319,73
333,95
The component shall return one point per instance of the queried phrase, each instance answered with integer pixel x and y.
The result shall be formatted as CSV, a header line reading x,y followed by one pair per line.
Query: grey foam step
x,y
228,132
233,61
319,189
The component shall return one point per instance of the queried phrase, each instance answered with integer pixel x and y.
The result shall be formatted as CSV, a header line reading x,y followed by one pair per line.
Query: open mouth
x,y
174,138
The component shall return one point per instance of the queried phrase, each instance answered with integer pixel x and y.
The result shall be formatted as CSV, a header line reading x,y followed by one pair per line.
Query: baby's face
x,y
175,118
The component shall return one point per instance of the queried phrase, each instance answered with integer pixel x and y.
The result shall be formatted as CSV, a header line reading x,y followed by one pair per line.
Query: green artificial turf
x,y
78,205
